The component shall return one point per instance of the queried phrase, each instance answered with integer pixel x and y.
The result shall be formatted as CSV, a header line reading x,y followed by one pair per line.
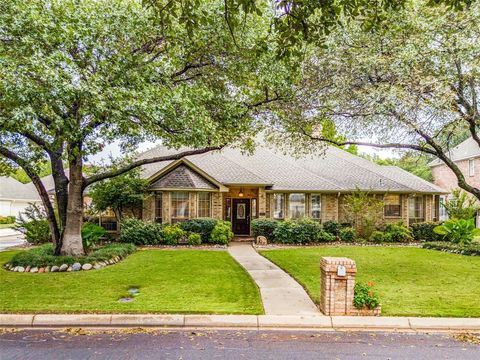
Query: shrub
x,y
140,233
7,219
264,227
458,231
284,232
91,233
348,234
300,232
365,297
470,249
380,237
202,226
398,232
461,205
194,239
33,223
332,227
222,233
172,234
423,231
43,256
364,211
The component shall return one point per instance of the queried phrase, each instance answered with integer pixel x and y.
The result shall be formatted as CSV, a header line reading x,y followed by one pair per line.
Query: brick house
x,y
467,157
269,184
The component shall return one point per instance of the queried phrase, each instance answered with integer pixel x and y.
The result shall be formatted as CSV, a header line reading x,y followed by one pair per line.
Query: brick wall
x,y
446,179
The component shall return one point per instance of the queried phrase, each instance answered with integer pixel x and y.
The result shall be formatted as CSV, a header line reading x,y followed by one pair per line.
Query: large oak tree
x,y
78,75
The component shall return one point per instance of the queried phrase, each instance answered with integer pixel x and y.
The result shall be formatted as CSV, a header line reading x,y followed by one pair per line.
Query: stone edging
x,y
273,246
258,322
63,268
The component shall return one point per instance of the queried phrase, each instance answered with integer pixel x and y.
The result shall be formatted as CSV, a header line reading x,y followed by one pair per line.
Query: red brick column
x,y
337,284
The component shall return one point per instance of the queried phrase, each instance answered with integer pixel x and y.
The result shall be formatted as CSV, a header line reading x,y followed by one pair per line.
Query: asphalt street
x,y
230,344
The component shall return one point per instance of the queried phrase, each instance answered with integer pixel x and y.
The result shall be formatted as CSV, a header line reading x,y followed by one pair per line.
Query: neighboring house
x,y
268,184
467,157
15,196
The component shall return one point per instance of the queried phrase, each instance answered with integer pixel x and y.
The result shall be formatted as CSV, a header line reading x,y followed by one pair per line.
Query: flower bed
x,y
42,260
470,249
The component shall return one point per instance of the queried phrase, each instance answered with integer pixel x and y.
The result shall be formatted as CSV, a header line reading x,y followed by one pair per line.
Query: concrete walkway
x,y
281,294
10,238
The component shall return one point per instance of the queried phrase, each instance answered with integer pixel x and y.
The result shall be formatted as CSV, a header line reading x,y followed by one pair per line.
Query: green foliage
x,y
461,205
398,232
7,219
380,237
194,239
334,227
43,256
300,232
264,227
137,232
222,233
458,231
202,226
347,234
472,249
413,162
123,194
423,231
364,211
91,234
33,223
172,234
364,297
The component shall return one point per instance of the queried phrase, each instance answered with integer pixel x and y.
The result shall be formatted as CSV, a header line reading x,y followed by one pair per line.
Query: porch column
x,y
217,205
428,207
166,212
404,208
262,203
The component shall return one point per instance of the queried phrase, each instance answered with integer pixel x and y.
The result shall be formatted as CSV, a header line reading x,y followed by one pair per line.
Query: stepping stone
x,y
125,300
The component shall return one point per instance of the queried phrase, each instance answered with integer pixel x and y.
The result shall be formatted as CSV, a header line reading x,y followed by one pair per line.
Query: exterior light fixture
x,y
240,193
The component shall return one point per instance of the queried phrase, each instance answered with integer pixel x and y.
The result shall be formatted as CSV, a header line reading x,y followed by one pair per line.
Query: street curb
x,y
255,322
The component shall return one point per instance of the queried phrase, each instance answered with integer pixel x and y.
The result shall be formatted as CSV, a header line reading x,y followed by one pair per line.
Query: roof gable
x,y
182,177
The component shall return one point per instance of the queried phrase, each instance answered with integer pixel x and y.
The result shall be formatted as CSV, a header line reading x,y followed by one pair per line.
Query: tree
x,y
362,209
124,194
78,75
411,161
410,83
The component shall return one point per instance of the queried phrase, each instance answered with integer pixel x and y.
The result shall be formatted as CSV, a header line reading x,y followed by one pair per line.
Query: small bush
x,y
91,233
194,239
7,219
43,256
300,232
284,232
423,231
264,227
37,232
202,226
332,227
398,232
140,233
348,234
380,237
364,297
222,233
458,231
472,249
172,234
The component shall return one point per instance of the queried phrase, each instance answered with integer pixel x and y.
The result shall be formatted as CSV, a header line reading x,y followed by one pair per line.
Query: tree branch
x,y
112,173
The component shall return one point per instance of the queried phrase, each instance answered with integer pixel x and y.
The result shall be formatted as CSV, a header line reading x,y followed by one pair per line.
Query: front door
x,y
241,216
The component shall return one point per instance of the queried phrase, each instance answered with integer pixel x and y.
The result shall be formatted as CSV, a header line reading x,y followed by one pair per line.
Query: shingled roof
x,y
334,171
465,150
182,177
11,189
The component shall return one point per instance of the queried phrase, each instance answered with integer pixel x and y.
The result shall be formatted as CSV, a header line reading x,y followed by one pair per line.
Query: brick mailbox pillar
x,y
337,283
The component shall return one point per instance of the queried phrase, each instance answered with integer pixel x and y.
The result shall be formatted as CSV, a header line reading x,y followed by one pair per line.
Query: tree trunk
x,y
72,233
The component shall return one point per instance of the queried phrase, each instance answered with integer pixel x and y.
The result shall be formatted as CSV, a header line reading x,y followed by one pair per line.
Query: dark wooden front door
x,y
241,216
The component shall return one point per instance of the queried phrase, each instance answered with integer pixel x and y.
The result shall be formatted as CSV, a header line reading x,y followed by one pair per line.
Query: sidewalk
x,y
256,322
10,238
281,294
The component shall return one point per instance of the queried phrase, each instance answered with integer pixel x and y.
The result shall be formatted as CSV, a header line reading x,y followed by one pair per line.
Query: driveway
x,y
11,238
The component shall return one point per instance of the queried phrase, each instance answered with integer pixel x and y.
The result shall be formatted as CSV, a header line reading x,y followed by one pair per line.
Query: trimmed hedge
x,y
202,226
137,232
471,249
423,231
264,227
43,256
300,232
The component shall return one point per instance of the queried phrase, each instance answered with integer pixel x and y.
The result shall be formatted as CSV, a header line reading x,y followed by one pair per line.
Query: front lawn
x,y
180,281
410,281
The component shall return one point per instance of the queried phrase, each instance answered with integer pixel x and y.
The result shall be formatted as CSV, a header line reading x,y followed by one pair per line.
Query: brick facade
x,y
446,179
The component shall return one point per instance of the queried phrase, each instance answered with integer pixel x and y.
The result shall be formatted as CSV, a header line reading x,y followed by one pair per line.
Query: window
x,y
278,206
180,206
392,206
158,207
204,204
296,206
228,209
254,208
415,208
316,206
471,167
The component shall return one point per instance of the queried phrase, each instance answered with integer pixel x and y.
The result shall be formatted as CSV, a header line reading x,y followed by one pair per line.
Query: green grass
x,y
410,281
180,281
6,226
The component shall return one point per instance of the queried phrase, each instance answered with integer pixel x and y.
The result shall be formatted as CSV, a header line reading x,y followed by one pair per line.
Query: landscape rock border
x,y
64,267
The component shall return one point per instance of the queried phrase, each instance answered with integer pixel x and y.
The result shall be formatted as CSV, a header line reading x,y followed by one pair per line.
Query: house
x,y
240,187
15,196
466,156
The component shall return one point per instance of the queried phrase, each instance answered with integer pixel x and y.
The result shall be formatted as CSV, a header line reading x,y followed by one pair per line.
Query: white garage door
x,y
5,208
